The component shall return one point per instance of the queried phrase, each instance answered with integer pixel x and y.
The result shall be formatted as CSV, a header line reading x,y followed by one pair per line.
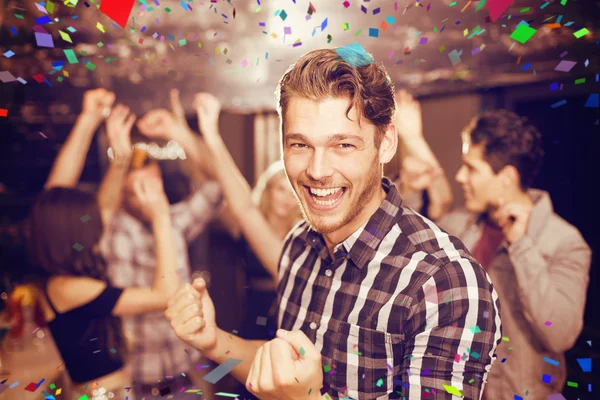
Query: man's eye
x,y
346,145
297,145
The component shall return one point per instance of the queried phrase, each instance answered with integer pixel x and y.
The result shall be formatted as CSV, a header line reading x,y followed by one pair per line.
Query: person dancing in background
x,y
81,306
156,354
538,262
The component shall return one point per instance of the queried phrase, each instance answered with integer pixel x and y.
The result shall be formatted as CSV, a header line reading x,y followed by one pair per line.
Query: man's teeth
x,y
324,192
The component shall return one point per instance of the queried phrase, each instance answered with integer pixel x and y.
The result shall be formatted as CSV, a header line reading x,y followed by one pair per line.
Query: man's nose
x,y
320,166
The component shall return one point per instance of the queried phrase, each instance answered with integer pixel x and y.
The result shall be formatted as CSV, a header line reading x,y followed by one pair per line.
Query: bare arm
x,y
69,163
236,189
432,177
118,128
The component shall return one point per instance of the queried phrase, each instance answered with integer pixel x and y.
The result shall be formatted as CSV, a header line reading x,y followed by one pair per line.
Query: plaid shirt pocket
x,y
359,362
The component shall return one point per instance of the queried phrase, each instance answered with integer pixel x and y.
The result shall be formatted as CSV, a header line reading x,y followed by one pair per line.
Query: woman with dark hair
x,y
80,305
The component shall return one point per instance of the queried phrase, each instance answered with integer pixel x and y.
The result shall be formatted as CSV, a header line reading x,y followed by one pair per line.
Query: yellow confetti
x,y
65,36
65,73
466,32
100,27
274,35
452,390
58,391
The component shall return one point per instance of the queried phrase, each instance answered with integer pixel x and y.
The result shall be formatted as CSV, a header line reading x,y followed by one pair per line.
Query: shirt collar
x,y
361,246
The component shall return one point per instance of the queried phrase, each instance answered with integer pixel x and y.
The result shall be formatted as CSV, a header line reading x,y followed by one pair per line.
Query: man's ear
x,y
389,144
509,176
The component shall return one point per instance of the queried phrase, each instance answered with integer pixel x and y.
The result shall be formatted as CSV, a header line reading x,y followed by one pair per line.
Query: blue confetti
x,y
324,25
355,55
548,359
555,105
586,363
592,102
374,32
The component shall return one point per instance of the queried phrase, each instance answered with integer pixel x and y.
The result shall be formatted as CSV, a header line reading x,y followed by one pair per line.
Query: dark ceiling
x,y
206,48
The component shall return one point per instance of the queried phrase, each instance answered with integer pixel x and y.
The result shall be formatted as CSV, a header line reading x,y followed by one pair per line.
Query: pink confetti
x,y
44,136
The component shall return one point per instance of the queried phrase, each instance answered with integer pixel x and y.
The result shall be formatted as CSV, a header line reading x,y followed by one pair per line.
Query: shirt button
x,y
328,272
313,325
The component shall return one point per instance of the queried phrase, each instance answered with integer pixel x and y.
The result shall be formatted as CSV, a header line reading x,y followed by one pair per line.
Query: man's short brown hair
x,y
508,139
323,73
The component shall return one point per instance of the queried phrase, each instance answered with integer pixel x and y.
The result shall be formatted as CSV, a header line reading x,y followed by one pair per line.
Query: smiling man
x,y
375,300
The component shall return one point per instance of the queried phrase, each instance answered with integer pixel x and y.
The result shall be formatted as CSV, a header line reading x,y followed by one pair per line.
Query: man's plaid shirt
x,y
402,311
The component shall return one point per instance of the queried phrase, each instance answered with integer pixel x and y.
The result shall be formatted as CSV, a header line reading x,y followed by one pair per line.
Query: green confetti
x,y
572,384
452,4
60,79
523,33
182,42
380,382
52,386
579,81
525,9
167,9
71,57
19,16
480,5
475,329
84,397
78,247
581,32
50,7
563,2
471,380
100,44
505,339
358,32
326,368
90,66
302,352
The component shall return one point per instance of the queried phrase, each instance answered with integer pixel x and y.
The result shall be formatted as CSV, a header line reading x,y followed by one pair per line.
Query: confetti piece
x,y
84,397
6,76
374,32
43,20
100,27
31,387
78,247
556,105
65,36
452,390
497,7
117,10
283,15
44,39
557,396
380,382
3,112
302,352
225,394
581,32
71,57
585,363
565,66
548,359
218,373
475,329
355,55
324,25
58,391
9,54
523,33
454,57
